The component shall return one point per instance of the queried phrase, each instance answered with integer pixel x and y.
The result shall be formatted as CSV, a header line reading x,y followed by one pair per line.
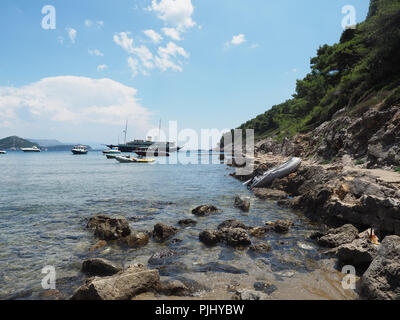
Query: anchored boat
x,y
128,159
79,150
33,149
113,150
3,152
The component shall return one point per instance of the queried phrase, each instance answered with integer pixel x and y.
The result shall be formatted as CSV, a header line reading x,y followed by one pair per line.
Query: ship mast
x,y
125,131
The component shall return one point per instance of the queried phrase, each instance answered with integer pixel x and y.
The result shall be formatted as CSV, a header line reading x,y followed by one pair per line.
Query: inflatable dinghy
x,y
278,172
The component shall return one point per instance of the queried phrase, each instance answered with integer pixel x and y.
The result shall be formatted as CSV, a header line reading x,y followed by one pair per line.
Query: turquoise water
x,y
46,199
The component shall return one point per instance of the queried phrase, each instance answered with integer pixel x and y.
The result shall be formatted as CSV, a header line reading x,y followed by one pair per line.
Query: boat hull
x,y
76,152
275,173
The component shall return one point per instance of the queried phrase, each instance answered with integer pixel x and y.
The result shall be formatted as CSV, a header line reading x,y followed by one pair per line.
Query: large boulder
x,y
205,210
122,286
242,204
187,222
99,267
382,279
360,252
109,228
163,232
336,237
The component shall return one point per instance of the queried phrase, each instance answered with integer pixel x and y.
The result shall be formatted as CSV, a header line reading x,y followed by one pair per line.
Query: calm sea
x,y
46,199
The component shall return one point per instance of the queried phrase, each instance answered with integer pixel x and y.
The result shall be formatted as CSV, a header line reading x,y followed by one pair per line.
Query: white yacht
x,y
79,150
113,150
33,149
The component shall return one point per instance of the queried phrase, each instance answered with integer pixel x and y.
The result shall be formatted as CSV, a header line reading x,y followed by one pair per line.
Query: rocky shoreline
x,y
356,202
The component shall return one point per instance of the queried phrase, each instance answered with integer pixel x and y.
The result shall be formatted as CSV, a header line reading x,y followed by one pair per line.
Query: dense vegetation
x,y
17,142
359,72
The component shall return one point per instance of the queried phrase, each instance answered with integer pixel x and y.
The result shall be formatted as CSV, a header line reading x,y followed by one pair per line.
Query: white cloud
x,y
101,67
177,13
96,52
133,66
162,61
122,39
72,100
239,39
72,33
88,23
154,36
172,33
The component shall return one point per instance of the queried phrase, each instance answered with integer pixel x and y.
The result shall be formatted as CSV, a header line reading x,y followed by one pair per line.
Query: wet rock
x,y
210,237
360,252
265,287
163,232
282,226
382,278
236,237
122,286
233,223
260,248
242,204
316,235
109,228
245,294
272,194
136,239
162,257
172,288
218,267
187,222
100,244
336,237
99,267
258,231
205,210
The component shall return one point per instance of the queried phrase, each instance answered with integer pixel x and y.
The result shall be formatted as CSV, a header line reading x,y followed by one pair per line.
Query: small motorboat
x,y
79,150
33,149
3,152
113,150
128,159
278,172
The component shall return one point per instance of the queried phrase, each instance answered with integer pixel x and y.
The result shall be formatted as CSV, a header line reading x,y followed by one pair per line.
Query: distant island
x,y
16,143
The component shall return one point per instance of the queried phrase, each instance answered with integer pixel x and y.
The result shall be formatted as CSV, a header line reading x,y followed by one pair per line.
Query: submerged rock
x,y
258,231
187,222
382,278
162,257
242,204
336,237
245,294
265,287
109,228
260,248
99,267
163,232
205,210
122,286
219,267
233,223
100,244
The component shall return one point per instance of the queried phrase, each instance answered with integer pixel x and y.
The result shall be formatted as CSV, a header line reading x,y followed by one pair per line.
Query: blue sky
x,y
204,63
